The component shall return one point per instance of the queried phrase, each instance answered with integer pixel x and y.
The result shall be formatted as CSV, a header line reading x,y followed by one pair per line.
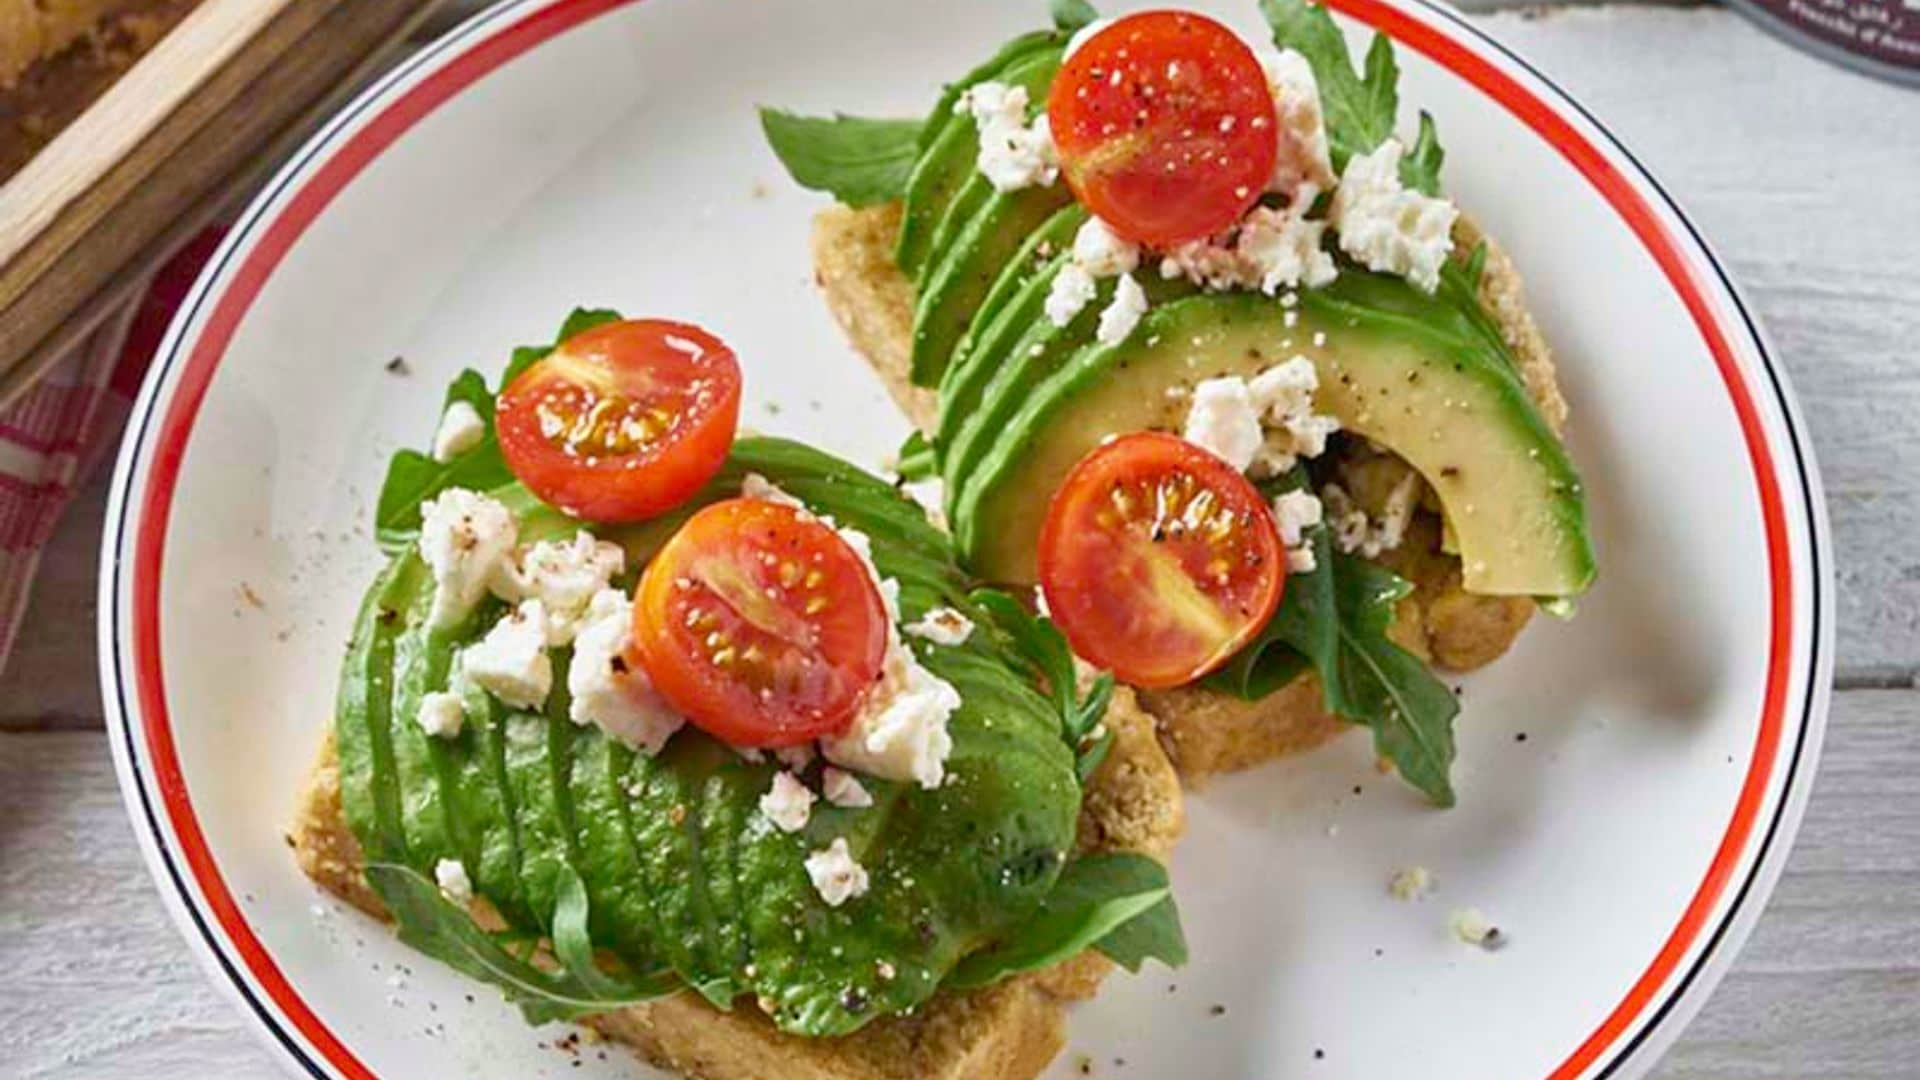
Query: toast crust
x,y
1207,732
1009,1030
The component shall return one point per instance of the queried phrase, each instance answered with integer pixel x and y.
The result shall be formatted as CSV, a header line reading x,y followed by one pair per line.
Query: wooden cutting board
x,y
215,104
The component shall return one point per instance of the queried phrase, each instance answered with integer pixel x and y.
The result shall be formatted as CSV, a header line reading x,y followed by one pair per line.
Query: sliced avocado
x,y
1449,405
1031,359
990,68
1010,305
953,295
948,162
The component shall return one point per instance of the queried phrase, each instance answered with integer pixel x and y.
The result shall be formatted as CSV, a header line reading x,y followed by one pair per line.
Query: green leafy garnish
x,y
1360,108
1119,899
414,477
858,160
918,460
1051,659
1071,15
1333,619
436,926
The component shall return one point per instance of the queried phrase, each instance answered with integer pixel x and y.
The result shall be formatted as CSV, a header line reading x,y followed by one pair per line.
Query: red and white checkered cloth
x,y
53,436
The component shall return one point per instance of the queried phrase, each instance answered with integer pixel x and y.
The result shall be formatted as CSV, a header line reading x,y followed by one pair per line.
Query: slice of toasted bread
x,y
1208,732
1010,1030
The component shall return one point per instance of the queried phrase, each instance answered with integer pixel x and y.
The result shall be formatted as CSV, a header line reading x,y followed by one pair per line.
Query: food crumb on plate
x,y
1471,926
1410,883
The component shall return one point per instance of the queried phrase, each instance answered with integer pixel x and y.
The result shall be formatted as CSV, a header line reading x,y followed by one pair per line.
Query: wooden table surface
x,y
1802,175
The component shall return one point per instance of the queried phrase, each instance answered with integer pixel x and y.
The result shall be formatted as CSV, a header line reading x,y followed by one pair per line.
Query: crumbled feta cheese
x,y
1270,249
1471,926
1294,512
844,789
1387,227
441,714
755,486
900,731
788,803
1071,290
1281,248
836,876
460,430
942,626
1013,154
889,588
1223,421
1102,252
1410,883
1355,533
794,757
606,690
454,884
1284,396
1122,313
511,662
465,539
1302,134
564,576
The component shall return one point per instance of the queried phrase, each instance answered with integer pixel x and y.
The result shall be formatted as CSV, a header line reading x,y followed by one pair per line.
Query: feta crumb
x,y
460,430
1284,396
1387,227
1270,249
454,884
465,539
862,546
794,757
441,714
1071,290
1102,252
1013,154
1282,248
1224,422
564,576
836,876
1294,512
1355,533
788,803
511,662
844,789
1410,883
1123,313
1471,926
900,731
1302,133
609,692
942,626
755,486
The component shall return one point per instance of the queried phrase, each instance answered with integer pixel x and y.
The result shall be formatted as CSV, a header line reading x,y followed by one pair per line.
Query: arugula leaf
x,y
1387,688
1360,109
858,160
1071,15
1050,660
1096,898
434,925
414,477
1154,934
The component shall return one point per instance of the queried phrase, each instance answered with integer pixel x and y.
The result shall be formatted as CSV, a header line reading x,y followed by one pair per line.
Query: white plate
x,y
556,152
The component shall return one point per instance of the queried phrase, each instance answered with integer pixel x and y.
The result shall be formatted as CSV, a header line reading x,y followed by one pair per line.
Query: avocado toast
x,y
1431,506
913,884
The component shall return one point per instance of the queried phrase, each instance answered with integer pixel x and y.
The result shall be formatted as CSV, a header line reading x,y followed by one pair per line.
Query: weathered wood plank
x,y
99,984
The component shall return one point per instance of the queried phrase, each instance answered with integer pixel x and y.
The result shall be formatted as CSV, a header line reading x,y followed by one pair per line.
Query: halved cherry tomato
x,y
624,421
1165,126
1159,560
760,624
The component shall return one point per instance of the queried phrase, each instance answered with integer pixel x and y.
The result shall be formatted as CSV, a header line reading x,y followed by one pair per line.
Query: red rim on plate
x,y
1751,847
